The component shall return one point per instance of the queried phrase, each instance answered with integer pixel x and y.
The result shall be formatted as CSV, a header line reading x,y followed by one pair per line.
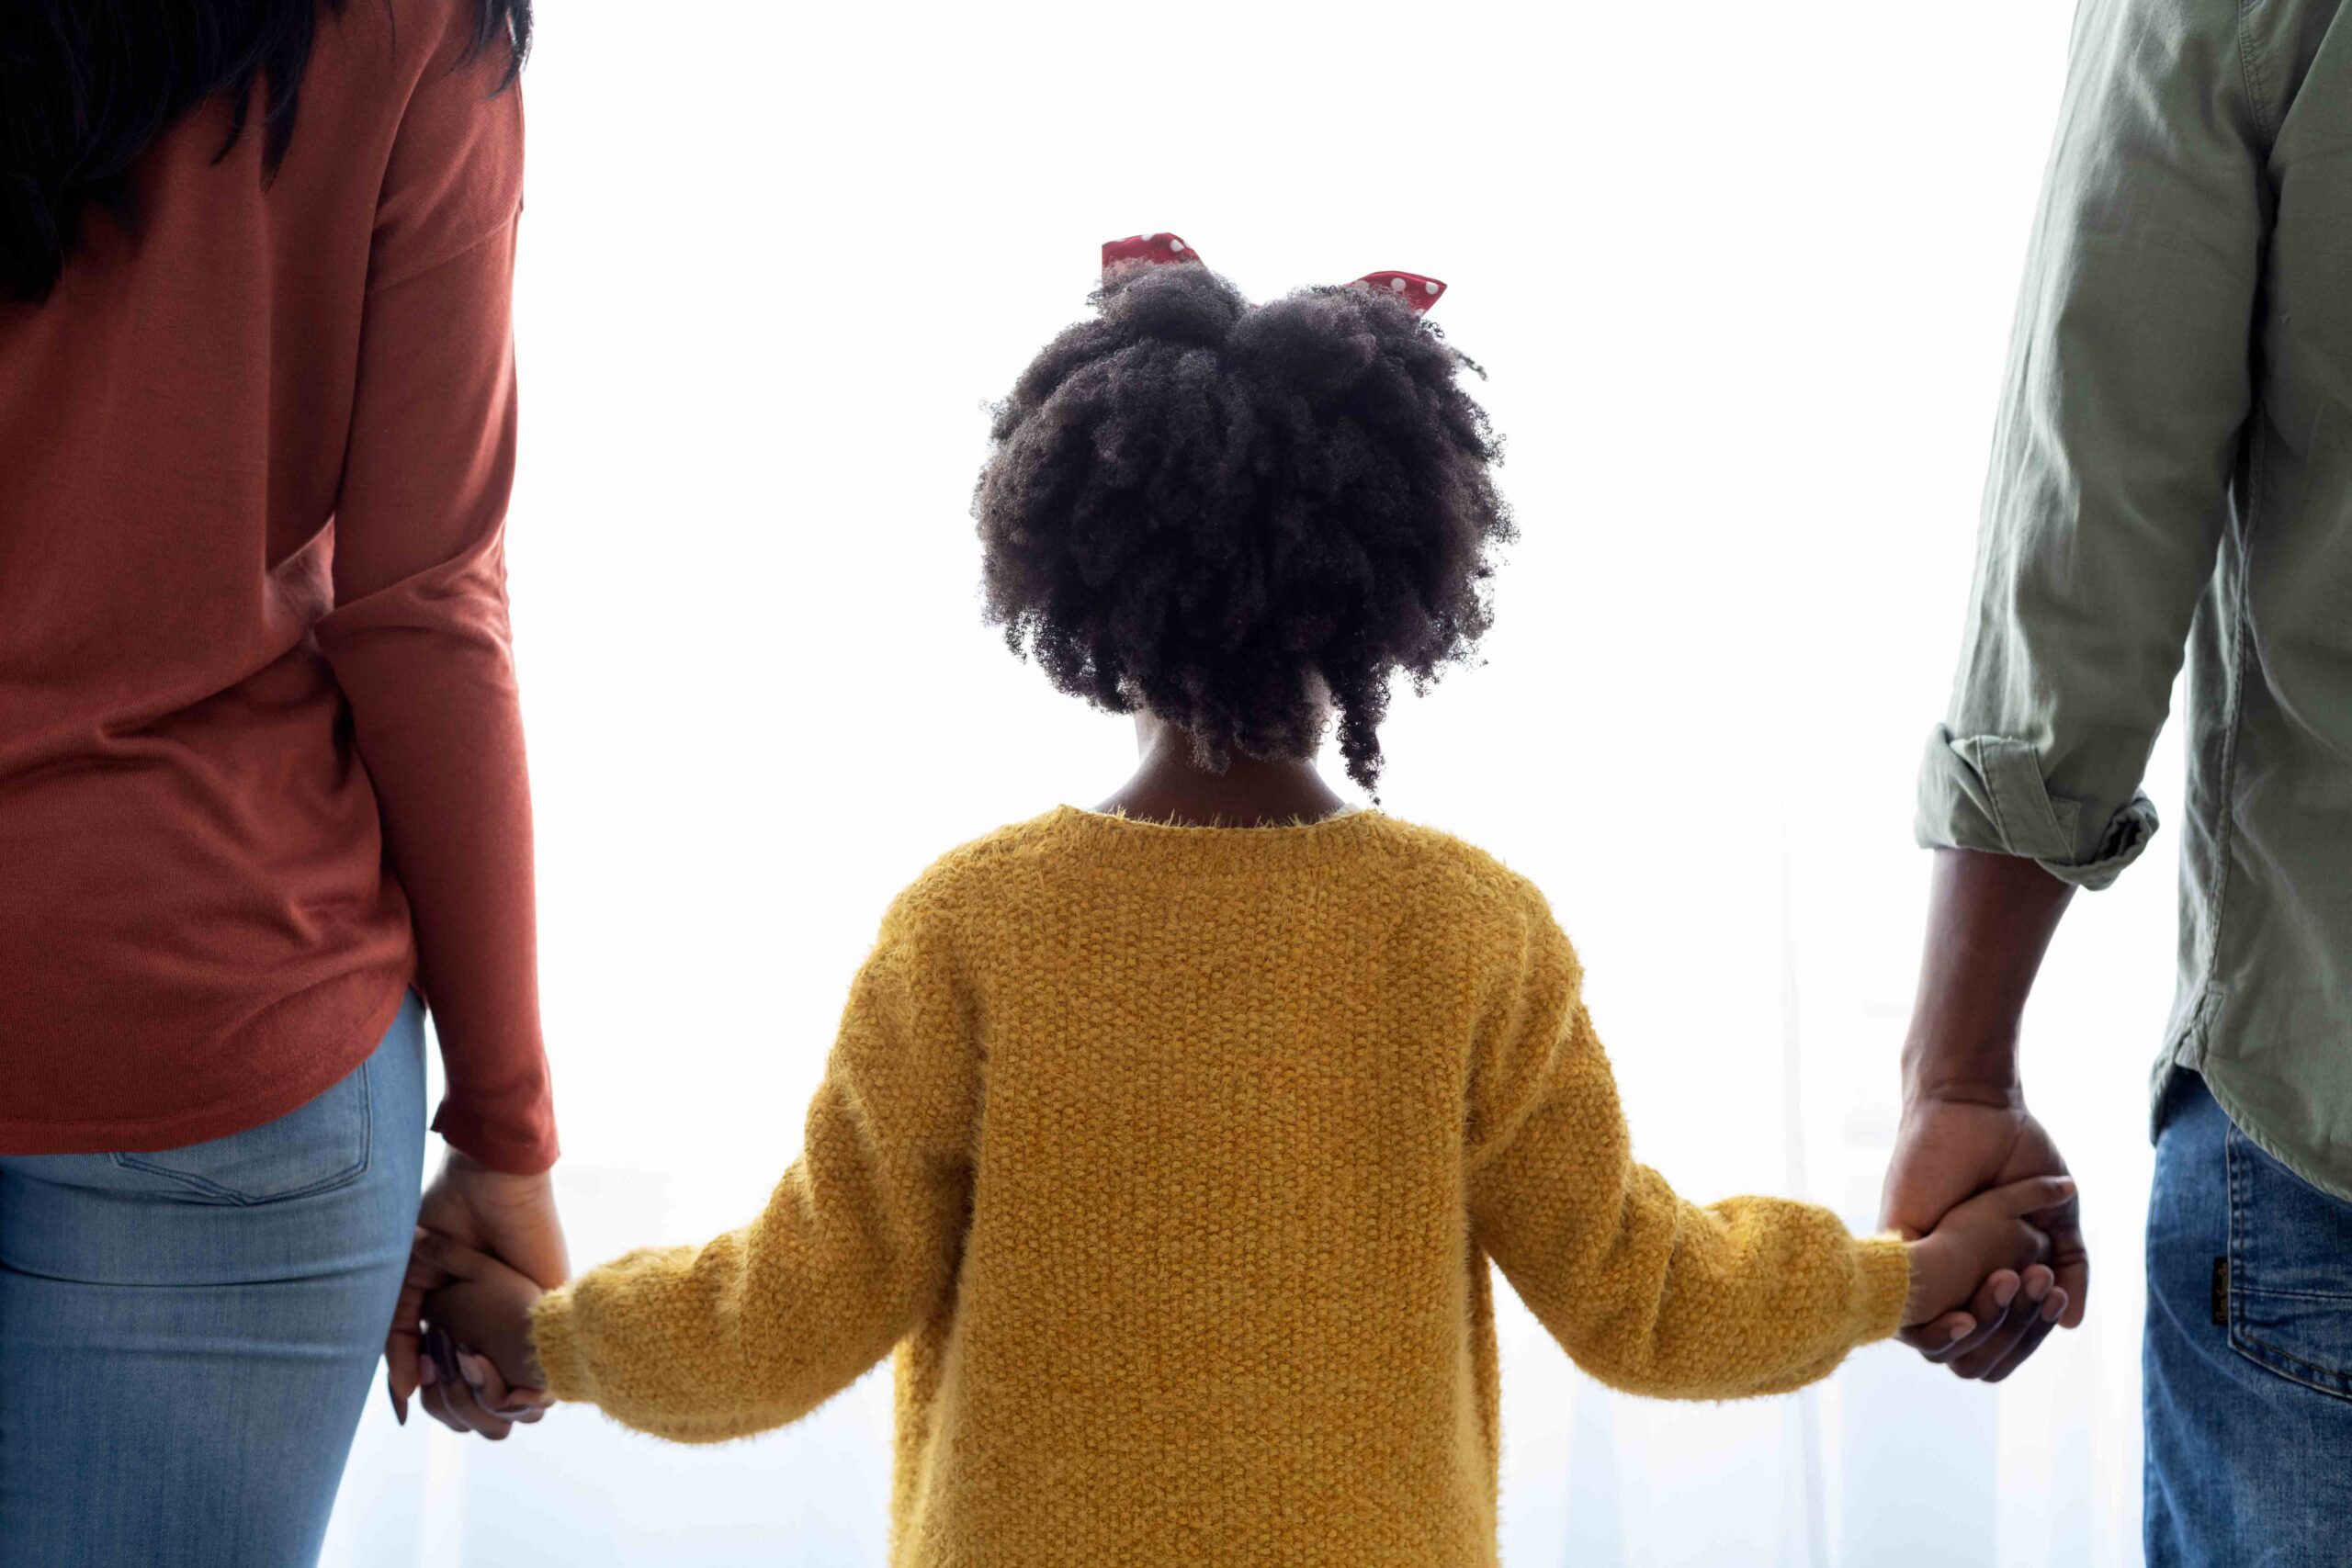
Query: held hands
x,y
1983,1256
1954,1145
482,1212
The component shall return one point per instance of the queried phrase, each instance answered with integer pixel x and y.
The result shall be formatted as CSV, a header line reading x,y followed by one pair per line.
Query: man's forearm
x,y
1990,918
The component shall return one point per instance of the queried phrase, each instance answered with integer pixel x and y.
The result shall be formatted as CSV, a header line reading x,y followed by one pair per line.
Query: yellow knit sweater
x,y
1171,1160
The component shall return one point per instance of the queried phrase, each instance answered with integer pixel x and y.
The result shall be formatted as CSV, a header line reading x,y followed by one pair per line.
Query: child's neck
x,y
1167,786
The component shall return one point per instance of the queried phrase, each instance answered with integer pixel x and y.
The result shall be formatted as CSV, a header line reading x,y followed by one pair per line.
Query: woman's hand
x,y
510,1218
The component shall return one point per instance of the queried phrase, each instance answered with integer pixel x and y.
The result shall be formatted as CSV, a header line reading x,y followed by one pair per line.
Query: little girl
x,y
1168,1142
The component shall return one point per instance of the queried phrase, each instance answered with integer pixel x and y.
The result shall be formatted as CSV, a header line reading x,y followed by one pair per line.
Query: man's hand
x,y
1965,1127
511,1218
1953,1145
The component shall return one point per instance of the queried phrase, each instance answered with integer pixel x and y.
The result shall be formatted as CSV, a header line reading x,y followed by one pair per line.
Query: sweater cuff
x,y
1882,1289
558,1351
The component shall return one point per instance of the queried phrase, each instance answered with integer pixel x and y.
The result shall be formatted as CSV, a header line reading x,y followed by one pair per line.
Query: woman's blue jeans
x,y
187,1338
2248,1357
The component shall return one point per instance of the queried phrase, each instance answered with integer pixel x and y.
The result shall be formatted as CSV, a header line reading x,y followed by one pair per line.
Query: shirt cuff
x,y
1985,791
528,1150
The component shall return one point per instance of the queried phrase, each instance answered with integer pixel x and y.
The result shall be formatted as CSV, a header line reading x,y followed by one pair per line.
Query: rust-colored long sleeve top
x,y
261,767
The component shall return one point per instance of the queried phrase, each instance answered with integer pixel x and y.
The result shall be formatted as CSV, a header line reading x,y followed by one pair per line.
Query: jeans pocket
x,y
2291,1271
320,1145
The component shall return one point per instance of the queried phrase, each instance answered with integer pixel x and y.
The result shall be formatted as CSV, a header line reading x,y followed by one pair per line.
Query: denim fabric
x,y
2249,1418
187,1336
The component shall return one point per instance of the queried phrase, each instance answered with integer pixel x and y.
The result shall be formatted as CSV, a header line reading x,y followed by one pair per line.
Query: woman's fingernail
x,y
472,1367
399,1410
2005,1293
2037,1289
427,1373
1960,1330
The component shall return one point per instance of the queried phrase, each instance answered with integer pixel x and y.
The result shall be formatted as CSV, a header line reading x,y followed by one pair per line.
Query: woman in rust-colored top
x,y
262,790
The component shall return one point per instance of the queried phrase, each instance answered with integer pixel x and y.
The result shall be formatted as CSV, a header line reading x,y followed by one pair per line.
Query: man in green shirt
x,y
2171,472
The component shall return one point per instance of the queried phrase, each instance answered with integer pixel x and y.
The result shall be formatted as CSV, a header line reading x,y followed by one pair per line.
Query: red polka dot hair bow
x,y
1414,289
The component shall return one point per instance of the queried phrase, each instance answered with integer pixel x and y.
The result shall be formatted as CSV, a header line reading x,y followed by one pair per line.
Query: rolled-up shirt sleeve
x,y
2128,387
419,637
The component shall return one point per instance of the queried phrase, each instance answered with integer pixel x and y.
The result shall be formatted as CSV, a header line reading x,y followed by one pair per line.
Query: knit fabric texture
x,y
1170,1161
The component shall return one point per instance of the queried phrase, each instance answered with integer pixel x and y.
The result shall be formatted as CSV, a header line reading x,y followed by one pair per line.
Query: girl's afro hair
x,y
1223,514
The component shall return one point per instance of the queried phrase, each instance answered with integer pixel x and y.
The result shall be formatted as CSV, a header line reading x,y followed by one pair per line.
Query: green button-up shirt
x,y
2172,468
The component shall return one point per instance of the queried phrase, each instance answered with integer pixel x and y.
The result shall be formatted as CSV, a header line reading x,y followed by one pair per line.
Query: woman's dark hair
x,y
87,84
1223,514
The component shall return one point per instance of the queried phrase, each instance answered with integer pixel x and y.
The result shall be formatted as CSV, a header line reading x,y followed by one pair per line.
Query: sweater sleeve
x,y
858,1243
1645,1291
418,636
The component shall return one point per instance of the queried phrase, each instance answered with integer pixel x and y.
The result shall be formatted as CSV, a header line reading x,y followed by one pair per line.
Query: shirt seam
x,y
2225,832
412,273
1993,798
2250,74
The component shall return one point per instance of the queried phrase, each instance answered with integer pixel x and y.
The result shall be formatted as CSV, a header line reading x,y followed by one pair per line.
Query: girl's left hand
x,y
479,1328
511,1218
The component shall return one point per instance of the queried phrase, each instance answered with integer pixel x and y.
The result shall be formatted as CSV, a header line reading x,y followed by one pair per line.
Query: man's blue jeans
x,y
2248,1356
187,1338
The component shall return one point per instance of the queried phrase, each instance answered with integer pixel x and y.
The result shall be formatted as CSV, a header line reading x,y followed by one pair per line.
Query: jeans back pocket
x,y
2291,1271
321,1145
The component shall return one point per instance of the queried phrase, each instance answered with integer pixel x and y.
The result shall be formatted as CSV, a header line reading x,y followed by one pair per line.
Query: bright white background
x,y
1742,277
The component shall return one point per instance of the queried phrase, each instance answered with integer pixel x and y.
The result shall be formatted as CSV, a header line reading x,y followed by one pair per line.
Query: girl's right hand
x,y
1983,1252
